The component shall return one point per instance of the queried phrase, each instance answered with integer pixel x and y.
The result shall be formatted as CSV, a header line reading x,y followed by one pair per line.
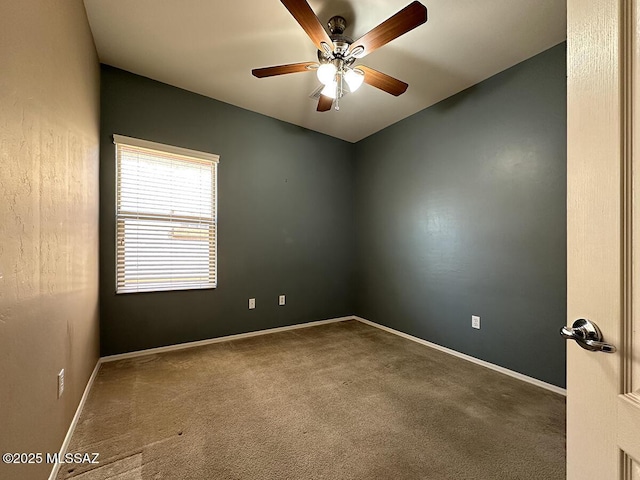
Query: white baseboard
x,y
469,358
74,422
181,346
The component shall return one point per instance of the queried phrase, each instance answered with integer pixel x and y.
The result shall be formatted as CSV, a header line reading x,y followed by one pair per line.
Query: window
x,y
165,217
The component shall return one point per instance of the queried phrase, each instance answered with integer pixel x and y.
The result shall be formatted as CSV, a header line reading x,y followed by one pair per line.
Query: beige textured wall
x,y
49,128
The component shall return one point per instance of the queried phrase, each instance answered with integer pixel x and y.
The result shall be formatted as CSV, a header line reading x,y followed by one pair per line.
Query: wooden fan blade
x,y
303,14
383,81
402,22
324,103
283,69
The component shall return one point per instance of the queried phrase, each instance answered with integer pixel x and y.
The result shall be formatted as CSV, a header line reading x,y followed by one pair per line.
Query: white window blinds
x,y
165,217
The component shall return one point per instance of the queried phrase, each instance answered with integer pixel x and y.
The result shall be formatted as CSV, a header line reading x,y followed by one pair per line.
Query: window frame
x,y
178,153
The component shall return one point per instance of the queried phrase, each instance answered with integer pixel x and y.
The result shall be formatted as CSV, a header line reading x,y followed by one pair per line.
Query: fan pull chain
x,y
339,92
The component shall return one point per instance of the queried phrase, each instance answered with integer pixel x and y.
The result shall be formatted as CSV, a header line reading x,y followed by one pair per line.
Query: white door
x,y
603,255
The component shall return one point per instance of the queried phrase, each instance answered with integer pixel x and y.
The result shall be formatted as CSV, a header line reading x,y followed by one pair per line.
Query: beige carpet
x,y
338,401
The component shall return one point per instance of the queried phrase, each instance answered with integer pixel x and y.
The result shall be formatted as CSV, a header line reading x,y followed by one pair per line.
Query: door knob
x,y
587,335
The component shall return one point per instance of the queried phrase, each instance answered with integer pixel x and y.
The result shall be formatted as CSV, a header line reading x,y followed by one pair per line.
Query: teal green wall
x,y
461,211
285,225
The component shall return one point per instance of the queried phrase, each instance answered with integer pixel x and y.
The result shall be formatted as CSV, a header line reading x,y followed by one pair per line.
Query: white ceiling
x,y
211,46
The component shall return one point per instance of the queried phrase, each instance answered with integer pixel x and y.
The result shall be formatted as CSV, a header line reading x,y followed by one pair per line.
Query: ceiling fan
x,y
337,53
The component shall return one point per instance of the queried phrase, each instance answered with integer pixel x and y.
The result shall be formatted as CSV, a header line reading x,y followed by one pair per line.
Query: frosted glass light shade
x,y
326,73
330,90
354,79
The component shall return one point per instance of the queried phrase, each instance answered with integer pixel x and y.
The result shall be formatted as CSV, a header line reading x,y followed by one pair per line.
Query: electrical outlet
x,y
252,303
60,383
281,300
475,322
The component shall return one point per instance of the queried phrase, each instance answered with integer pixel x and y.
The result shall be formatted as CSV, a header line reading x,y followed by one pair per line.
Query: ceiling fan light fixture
x,y
330,90
327,73
337,53
354,78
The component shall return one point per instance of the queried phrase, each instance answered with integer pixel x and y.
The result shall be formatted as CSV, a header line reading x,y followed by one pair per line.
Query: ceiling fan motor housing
x,y
341,43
